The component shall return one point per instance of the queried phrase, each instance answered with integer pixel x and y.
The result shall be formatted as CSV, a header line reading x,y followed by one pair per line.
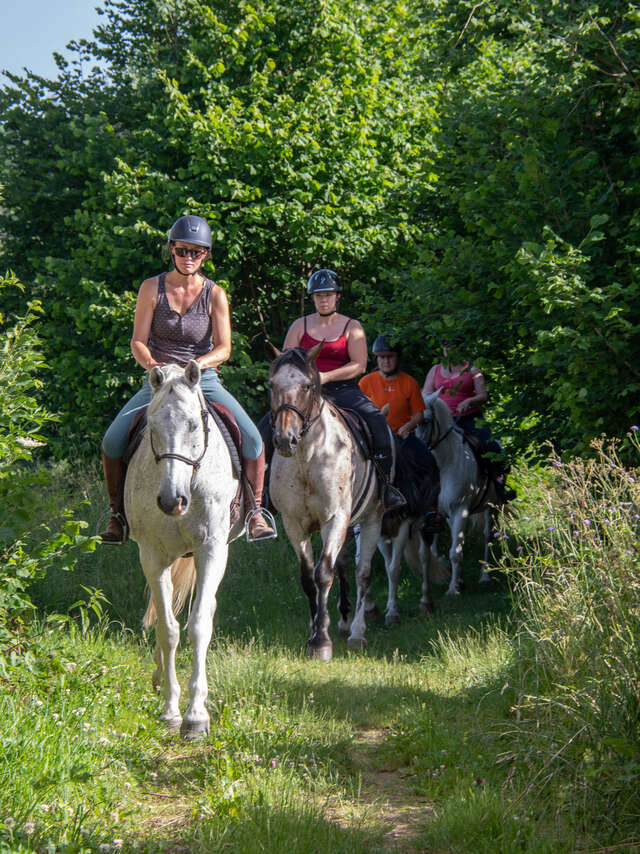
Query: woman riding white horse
x,y
182,315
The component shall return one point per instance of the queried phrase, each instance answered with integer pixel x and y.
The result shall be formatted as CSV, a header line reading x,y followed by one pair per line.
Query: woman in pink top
x,y
463,386
464,391
342,359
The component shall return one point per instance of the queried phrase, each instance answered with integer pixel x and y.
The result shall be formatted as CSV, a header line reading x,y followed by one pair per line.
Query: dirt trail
x,y
386,794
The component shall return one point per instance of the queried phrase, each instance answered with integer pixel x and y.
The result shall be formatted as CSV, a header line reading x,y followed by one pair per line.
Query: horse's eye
x,y
192,426
306,387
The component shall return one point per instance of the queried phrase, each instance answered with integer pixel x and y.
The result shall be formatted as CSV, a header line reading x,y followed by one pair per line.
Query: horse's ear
x,y
314,352
385,409
156,378
272,350
429,398
192,373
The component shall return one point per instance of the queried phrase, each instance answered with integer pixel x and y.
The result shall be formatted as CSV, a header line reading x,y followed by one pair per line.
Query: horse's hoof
x,y
343,631
171,721
358,644
392,620
427,608
322,651
453,591
193,730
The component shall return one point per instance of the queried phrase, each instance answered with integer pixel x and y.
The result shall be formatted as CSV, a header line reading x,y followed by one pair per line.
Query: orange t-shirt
x,y
402,393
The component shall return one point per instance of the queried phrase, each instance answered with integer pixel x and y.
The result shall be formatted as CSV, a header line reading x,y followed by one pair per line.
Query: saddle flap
x,y
359,430
230,431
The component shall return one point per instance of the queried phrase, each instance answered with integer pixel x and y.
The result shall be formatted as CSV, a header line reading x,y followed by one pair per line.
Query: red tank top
x,y
456,389
334,354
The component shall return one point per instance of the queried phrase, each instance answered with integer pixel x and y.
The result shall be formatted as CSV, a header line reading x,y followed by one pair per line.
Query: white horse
x,y
463,489
178,493
321,481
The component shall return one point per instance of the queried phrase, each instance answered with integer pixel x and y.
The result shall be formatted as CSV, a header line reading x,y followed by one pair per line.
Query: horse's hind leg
x,y
345,606
211,562
167,636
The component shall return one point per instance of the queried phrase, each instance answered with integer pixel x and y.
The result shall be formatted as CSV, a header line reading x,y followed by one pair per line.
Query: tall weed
x,y
576,576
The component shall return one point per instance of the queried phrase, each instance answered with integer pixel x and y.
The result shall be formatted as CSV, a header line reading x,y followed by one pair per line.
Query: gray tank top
x,y
176,337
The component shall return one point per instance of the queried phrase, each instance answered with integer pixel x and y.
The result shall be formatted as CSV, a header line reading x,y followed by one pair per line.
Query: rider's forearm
x,y
142,355
347,372
214,357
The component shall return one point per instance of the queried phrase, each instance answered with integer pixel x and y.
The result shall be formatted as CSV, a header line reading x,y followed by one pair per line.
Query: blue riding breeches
x,y
114,442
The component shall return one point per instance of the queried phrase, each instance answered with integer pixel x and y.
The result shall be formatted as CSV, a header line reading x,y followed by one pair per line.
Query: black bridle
x,y
305,417
431,444
195,463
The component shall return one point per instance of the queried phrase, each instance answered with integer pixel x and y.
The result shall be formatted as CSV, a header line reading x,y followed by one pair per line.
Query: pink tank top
x,y
456,389
334,354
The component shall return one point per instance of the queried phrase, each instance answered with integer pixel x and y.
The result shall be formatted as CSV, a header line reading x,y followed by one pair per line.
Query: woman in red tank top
x,y
342,359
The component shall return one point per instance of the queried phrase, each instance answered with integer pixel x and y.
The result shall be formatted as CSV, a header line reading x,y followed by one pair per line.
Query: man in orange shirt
x,y
402,392
390,385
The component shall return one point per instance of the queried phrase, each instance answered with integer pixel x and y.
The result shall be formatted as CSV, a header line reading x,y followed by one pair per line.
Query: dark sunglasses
x,y
181,252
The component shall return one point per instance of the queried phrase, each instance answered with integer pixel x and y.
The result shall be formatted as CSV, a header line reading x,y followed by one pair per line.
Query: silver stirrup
x,y
268,518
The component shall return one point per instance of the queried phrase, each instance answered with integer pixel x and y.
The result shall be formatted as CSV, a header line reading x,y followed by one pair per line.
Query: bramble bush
x,y
35,530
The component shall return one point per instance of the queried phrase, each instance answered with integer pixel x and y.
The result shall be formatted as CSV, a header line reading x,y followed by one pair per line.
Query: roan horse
x,y
463,489
321,481
178,494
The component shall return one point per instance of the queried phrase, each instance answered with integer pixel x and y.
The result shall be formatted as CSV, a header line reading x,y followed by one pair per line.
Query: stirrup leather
x,y
255,511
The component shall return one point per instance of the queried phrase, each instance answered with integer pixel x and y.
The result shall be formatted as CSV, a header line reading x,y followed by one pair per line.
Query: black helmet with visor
x,y
383,344
324,280
191,229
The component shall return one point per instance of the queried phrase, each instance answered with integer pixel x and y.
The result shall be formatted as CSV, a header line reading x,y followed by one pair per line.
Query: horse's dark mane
x,y
297,356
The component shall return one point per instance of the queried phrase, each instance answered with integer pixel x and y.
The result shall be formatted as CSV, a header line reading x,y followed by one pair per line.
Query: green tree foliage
x,y
466,166
34,531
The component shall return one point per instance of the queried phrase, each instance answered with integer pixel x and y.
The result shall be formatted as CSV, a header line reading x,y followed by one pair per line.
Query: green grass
x,y
441,737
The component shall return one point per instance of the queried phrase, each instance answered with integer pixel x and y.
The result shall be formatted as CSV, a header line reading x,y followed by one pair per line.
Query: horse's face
x,y
177,429
295,394
429,427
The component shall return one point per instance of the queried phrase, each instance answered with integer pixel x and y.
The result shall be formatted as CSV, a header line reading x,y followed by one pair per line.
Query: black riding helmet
x,y
383,344
323,280
191,229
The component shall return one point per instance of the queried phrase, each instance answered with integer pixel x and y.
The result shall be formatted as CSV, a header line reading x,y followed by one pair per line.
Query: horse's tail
x,y
183,576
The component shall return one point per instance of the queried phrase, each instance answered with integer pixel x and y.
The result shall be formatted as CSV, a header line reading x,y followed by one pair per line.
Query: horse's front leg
x,y
485,578
392,551
369,536
301,544
211,562
418,555
333,535
167,635
457,524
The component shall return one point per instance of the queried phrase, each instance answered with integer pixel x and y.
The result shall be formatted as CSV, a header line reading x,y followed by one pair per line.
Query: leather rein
x,y
190,462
